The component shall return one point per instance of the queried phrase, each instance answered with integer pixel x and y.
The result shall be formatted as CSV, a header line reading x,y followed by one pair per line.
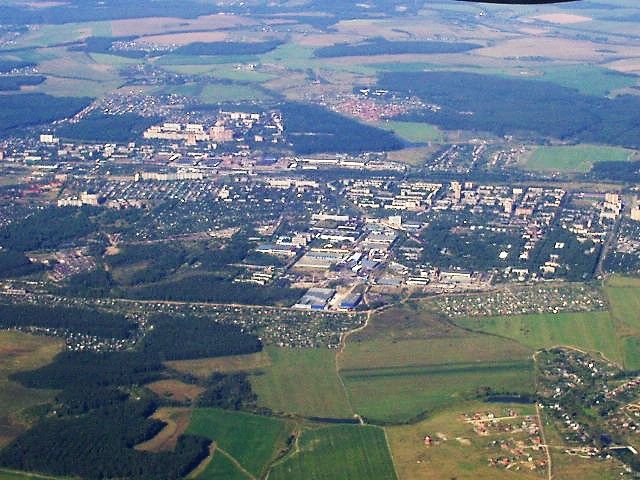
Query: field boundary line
x,y
236,463
393,460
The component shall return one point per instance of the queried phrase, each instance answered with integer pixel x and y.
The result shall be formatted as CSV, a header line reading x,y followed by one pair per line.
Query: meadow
x,y
302,381
251,440
410,362
414,132
593,331
21,352
348,452
576,159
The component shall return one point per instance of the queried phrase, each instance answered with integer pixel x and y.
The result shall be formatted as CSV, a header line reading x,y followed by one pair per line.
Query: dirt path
x,y
543,437
236,463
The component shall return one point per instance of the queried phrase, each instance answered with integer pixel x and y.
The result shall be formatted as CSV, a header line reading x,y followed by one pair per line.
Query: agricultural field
x,y
348,452
11,475
615,333
414,132
575,159
221,466
205,367
252,441
588,79
302,381
20,352
409,362
222,92
593,331
177,420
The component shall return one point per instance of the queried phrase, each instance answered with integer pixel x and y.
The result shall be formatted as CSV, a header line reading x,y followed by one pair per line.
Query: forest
x,y
48,228
98,127
15,82
73,319
24,109
504,105
313,129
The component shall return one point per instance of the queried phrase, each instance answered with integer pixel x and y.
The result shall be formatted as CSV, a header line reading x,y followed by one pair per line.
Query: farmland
x,y
409,362
349,452
592,331
302,381
414,132
20,352
578,158
253,441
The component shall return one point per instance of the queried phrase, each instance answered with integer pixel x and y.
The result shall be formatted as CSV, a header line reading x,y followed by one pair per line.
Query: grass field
x,y
222,467
460,453
588,79
414,132
623,295
204,367
221,92
19,352
401,394
302,381
252,440
593,331
575,159
347,452
409,361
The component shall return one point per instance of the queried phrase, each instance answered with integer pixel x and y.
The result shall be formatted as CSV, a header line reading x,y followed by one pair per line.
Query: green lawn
x,y
624,302
593,331
414,132
345,452
302,381
575,159
251,439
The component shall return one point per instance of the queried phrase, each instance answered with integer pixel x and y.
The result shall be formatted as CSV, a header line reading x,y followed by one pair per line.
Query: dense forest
x,y
15,82
98,127
616,171
78,320
313,129
505,105
16,264
381,46
48,228
7,66
214,289
173,338
24,109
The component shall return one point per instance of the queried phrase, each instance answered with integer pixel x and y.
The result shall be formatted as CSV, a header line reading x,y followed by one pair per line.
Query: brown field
x,y
175,390
557,48
628,65
158,25
183,38
177,420
204,367
562,18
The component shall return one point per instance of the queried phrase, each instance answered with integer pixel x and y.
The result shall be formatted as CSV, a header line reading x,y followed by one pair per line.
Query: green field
x,y
401,394
345,452
302,381
593,331
222,92
414,132
18,352
409,361
11,475
624,303
588,79
575,159
221,466
252,440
